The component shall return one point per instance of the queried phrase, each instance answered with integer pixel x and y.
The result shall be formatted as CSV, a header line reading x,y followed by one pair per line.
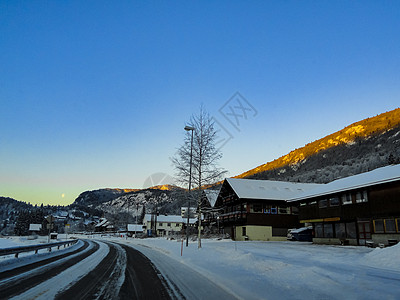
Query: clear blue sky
x,y
96,93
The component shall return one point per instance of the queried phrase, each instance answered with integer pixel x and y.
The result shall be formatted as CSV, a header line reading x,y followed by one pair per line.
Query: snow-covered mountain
x,y
116,201
360,147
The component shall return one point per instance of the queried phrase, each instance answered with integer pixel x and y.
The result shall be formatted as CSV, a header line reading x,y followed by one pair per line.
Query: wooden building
x,y
358,210
257,209
208,209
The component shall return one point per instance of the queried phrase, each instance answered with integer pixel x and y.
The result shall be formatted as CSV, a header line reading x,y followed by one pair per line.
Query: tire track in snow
x,y
17,284
49,288
104,281
142,279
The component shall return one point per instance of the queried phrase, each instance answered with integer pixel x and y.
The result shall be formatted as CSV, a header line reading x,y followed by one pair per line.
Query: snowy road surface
x,y
92,270
113,268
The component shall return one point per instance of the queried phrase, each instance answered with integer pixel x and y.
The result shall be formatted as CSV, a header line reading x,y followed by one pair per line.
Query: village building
x,y
35,228
357,210
209,212
257,209
104,226
165,225
135,229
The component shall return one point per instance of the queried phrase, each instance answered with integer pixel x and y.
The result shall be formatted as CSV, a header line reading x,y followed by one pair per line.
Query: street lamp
x,y
189,128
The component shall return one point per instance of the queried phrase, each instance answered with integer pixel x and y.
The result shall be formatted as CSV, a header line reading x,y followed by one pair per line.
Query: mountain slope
x,y
358,132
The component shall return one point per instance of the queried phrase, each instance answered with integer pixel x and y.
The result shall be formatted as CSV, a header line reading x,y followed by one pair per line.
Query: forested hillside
x,y
360,147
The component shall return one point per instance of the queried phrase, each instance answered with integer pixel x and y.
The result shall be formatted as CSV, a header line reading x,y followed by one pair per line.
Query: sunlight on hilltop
x,y
348,135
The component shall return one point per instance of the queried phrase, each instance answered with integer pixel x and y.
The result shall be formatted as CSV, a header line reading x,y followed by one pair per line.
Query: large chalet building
x,y
258,209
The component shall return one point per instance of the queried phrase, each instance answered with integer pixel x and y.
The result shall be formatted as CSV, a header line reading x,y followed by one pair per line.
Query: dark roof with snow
x,y
268,189
375,177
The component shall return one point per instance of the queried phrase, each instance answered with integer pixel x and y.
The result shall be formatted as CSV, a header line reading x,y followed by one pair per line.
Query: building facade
x,y
257,209
357,210
165,225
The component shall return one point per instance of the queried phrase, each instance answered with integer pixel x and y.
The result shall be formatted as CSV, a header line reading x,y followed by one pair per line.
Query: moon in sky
x,y
62,195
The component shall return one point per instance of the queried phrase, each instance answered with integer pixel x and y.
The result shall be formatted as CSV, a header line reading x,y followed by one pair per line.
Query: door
x,y
364,232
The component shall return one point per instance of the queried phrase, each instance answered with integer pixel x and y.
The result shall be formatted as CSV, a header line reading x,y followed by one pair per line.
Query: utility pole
x,y
199,218
189,128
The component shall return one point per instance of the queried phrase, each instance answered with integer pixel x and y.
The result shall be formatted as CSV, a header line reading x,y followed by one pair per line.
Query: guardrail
x,y
20,249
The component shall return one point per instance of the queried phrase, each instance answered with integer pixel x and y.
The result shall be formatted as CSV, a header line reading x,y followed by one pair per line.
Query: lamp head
x,y
188,128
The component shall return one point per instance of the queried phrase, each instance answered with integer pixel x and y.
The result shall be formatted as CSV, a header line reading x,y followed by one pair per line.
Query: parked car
x,y
301,234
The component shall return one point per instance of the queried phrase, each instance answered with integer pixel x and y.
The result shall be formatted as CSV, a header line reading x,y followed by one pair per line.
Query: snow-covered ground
x,y
271,270
283,270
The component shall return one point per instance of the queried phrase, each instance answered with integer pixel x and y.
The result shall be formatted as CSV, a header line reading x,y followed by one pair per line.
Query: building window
x,y
257,208
328,230
346,199
169,224
303,204
295,210
274,210
379,226
319,231
334,201
323,203
390,226
159,224
176,224
243,231
340,230
313,202
351,230
362,197
283,210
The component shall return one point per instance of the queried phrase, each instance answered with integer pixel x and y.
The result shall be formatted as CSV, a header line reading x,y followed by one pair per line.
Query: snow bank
x,y
388,258
14,241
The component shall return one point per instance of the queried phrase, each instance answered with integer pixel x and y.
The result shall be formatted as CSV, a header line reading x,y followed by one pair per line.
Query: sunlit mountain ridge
x,y
351,134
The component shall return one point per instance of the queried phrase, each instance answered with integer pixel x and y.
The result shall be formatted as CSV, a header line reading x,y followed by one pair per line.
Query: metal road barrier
x,y
36,248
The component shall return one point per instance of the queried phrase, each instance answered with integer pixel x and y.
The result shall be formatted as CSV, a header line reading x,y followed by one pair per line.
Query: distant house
x,y
35,228
257,209
104,226
60,215
165,225
356,210
135,228
193,212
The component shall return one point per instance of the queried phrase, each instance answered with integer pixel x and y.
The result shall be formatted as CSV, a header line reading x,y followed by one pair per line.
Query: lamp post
x,y
189,128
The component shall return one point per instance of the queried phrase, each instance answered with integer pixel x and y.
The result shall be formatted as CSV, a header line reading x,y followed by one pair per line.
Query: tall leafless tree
x,y
205,157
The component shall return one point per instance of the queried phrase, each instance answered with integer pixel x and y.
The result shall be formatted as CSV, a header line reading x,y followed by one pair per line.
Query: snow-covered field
x,y
271,270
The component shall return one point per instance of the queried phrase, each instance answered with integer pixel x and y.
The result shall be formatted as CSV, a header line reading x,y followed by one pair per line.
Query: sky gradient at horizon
x,y
96,94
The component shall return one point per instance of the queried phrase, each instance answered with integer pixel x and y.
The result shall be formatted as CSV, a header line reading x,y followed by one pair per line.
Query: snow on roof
x,y
169,219
212,196
102,223
378,176
61,213
268,189
35,227
135,227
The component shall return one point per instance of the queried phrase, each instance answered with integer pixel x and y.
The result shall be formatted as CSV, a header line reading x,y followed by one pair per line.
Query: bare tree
x,y
205,155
